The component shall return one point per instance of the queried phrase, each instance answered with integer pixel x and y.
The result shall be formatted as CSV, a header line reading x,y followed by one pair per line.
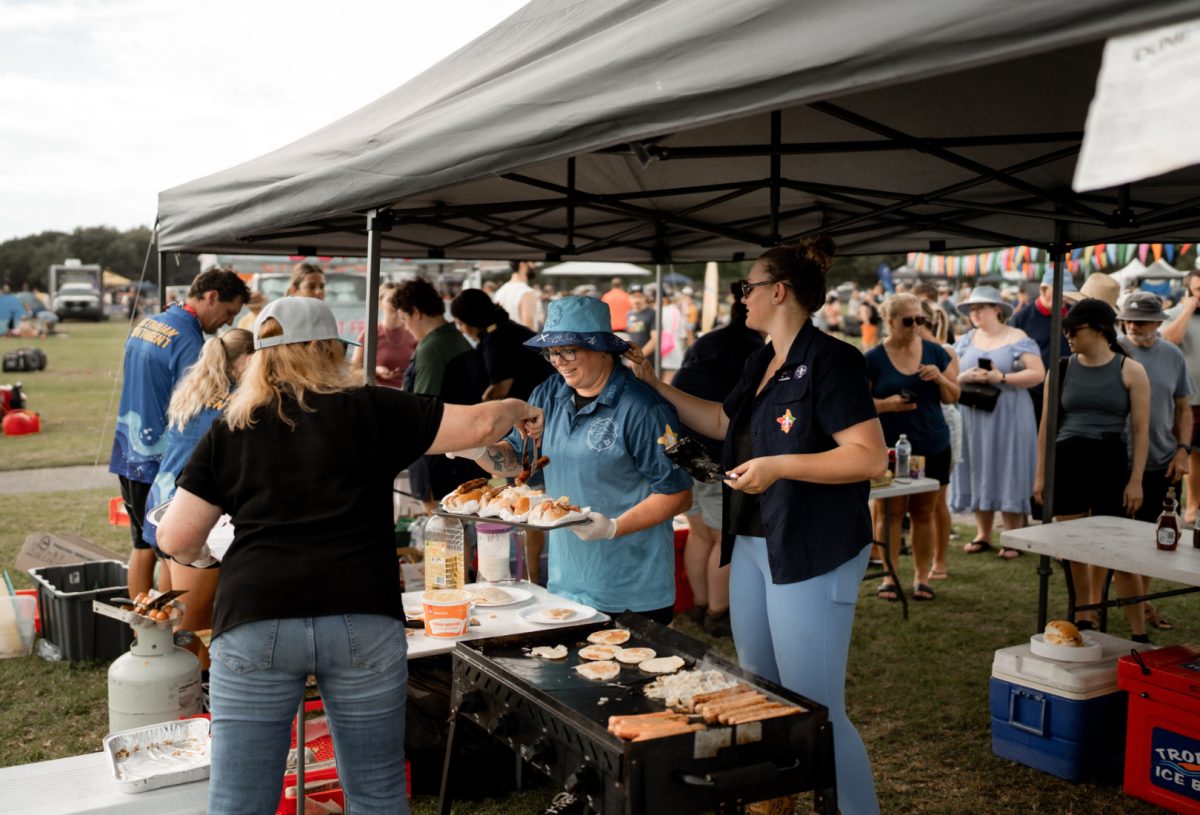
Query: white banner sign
x,y
1145,118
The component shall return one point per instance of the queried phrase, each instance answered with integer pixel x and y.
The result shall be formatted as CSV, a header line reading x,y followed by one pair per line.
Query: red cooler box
x,y
1162,755
1063,718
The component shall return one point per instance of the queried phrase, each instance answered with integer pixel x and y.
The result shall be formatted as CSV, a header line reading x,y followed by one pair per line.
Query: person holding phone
x,y
910,380
999,445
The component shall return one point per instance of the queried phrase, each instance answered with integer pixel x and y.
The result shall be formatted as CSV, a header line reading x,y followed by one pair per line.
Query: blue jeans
x,y
798,635
256,683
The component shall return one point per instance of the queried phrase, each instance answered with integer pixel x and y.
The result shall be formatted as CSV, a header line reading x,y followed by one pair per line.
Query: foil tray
x,y
159,755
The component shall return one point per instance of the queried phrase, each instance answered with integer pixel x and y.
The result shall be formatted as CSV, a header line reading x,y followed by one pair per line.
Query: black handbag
x,y
978,395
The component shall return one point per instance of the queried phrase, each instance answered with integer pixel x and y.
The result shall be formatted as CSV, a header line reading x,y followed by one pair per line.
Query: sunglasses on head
x,y
909,322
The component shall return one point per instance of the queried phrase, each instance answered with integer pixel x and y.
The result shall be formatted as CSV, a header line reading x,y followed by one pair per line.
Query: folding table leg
x,y
1044,571
887,558
445,796
1108,579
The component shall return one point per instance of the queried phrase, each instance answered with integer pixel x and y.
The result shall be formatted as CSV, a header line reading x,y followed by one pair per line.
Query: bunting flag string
x,y
1030,262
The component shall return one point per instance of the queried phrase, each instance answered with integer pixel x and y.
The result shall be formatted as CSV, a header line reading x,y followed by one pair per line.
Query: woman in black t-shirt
x,y
513,370
802,441
304,462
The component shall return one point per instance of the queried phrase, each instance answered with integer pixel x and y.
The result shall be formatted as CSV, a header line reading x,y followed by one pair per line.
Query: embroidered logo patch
x,y
601,434
786,421
669,438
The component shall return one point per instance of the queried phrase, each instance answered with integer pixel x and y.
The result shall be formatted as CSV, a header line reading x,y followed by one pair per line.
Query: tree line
x,y
27,259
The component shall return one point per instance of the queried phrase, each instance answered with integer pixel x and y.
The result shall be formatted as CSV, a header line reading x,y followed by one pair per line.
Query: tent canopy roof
x,y
646,130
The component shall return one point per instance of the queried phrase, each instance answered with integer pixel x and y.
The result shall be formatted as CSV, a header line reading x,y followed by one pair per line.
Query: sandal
x,y
1156,620
1008,554
922,593
975,547
887,591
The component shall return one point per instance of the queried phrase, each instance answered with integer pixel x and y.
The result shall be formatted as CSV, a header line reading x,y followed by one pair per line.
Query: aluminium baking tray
x,y
159,755
476,519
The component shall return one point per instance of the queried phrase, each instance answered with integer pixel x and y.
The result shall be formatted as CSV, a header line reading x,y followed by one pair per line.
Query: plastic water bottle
x,y
416,533
903,456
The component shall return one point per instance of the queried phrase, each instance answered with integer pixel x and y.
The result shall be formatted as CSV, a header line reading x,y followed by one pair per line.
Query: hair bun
x,y
818,250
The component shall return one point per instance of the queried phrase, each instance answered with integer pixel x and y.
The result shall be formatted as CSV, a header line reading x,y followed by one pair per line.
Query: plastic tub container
x,y
37,617
447,613
65,595
16,626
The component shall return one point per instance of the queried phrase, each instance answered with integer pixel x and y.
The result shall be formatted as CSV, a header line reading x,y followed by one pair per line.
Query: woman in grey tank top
x,y
1101,390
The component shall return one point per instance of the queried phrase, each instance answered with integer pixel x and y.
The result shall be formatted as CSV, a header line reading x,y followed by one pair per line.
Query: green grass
x,y
75,396
917,690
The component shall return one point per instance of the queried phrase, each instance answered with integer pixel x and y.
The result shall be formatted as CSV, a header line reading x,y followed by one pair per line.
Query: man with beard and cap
x,y
1170,410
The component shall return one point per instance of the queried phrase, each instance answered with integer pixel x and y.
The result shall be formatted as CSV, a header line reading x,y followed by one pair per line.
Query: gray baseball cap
x,y
303,319
1143,307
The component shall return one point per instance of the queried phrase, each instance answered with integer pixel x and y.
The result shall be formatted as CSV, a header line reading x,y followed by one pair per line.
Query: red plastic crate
x,y
1162,750
683,590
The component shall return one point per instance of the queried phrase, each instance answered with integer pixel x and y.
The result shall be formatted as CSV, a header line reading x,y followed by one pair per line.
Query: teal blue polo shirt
x,y
606,456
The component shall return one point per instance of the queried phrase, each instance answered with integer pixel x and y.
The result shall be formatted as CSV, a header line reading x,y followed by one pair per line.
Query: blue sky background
x,y
103,103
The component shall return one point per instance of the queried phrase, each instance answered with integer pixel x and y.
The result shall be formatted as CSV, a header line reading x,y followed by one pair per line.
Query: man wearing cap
x,y
1183,329
1170,409
157,354
602,431
1034,320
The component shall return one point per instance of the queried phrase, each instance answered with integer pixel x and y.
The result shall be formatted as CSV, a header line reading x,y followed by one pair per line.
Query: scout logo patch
x,y
797,372
786,421
669,438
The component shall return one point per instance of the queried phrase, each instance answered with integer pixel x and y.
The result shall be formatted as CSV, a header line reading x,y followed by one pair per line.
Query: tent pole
x,y
162,277
658,308
776,172
378,222
1057,254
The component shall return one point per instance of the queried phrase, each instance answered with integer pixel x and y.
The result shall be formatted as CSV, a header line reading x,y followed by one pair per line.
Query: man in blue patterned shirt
x,y
158,352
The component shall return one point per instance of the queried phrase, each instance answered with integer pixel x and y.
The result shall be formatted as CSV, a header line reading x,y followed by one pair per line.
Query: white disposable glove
x,y
205,560
597,528
472,453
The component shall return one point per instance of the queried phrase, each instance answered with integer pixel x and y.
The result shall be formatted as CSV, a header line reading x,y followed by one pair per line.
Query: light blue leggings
x,y
798,635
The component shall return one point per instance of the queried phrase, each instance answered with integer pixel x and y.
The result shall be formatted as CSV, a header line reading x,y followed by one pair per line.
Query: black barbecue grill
x,y
557,721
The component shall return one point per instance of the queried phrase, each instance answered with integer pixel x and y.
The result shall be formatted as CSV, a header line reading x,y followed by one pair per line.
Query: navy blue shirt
x,y
926,426
821,389
1033,322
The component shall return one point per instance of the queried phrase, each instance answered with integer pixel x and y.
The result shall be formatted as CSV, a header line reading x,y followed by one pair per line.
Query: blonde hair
x,y
938,321
296,369
896,301
301,271
210,378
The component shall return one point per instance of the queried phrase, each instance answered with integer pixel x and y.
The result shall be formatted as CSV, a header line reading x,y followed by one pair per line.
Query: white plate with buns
x,y
1090,651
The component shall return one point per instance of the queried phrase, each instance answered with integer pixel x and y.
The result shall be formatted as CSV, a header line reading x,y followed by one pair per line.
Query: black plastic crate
x,y
65,595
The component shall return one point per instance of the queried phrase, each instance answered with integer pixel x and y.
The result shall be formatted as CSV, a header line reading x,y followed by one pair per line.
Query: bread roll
x,y
1061,632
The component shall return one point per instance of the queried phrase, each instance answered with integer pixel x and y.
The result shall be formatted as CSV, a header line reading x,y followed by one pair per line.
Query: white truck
x,y
76,290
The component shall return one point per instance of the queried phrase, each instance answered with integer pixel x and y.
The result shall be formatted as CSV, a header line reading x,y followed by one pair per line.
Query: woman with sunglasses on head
x,y
999,437
802,441
910,381
1101,391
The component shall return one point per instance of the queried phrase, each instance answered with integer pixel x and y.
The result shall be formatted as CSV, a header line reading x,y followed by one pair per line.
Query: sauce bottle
x,y
1167,534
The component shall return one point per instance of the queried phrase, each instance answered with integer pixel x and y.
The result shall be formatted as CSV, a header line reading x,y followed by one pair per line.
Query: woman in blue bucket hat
x,y
601,435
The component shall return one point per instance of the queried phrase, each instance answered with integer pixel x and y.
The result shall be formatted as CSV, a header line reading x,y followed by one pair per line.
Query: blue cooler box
x,y
1063,718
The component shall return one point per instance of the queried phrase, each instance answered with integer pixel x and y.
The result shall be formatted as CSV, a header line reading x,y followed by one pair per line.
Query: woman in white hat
x,y
304,461
999,453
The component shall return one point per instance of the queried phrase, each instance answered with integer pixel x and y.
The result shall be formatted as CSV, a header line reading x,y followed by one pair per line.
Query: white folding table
x,y
1119,544
82,784
899,487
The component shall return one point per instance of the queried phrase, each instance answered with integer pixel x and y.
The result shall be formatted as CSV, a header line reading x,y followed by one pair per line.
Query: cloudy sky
x,y
103,103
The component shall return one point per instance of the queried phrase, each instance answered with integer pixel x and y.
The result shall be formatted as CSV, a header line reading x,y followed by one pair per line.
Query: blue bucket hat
x,y
1068,283
581,321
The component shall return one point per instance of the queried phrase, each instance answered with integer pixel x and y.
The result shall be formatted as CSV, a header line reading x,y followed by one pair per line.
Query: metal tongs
x,y
533,462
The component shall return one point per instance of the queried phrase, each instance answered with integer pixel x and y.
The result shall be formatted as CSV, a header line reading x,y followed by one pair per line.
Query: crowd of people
x,y
270,424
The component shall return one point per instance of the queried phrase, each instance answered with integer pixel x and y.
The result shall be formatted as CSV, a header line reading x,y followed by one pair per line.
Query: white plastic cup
x,y
16,625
